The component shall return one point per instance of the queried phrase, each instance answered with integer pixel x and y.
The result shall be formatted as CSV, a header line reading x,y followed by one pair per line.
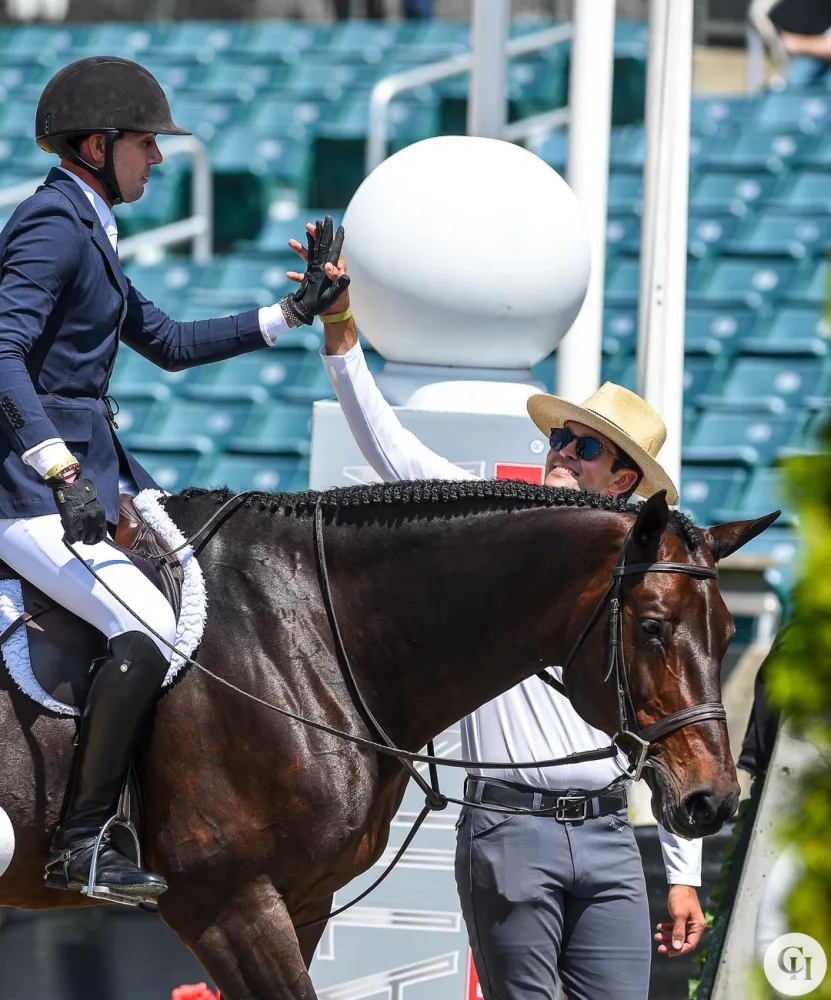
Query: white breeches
x,y
34,548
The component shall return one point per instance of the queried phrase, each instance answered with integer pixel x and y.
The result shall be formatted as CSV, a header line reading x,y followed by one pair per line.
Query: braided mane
x,y
509,492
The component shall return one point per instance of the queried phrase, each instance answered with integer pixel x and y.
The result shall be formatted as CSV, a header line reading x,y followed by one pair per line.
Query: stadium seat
x,y
750,150
620,331
245,279
703,373
805,192
137,416
185,419
280,428
625,194
815,285
554,150
794,330
164,201
815,433
47,44
749,437
280,228
727,193
763,495
752,283
317,78
778,383
279,113
270,473
17,120
717,115
272,371
785,111
279,40
137,378
707,490
166,283
705,324
708,233
623,234
229,80
817,153
778,542
130,40
367,41
174,470
199,41
780,235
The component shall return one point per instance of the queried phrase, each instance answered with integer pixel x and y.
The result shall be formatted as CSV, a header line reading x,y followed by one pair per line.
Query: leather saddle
x,y
62,646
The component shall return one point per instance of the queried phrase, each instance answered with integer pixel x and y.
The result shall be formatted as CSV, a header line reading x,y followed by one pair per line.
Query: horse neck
x,y
440,615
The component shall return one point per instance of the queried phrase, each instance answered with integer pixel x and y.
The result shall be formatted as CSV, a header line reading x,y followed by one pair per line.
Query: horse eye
x,y
652,627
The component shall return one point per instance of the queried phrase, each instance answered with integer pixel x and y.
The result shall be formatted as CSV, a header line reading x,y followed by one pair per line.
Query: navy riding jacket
x,y
65,304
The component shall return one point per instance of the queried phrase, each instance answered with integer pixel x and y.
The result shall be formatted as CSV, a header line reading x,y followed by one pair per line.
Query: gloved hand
x,y
81,513
318,293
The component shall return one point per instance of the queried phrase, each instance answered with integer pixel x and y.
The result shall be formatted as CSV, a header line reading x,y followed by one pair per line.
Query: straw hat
x,y
621,416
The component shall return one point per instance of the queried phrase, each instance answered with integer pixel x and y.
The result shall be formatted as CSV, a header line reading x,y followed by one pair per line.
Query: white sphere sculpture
x,y
466,251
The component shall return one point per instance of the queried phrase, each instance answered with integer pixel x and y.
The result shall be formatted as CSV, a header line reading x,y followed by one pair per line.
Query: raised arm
x,y
391,450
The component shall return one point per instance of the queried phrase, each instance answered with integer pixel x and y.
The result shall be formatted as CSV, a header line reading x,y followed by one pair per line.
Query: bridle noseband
x,y
627,717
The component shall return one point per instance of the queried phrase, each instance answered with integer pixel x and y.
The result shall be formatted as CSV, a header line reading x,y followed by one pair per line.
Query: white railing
x,y
390,87
196,229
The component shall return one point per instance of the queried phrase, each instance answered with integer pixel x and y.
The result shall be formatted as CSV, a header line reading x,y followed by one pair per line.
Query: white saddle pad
x,y
189,628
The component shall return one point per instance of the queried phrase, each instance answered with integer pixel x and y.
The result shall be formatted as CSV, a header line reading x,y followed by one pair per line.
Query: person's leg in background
x,y
607,946
419,10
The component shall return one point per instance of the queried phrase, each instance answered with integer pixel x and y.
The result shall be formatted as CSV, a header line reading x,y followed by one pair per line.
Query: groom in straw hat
x,y
549,903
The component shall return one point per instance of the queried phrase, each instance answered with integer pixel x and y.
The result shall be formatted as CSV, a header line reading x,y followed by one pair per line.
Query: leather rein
x,y
435,800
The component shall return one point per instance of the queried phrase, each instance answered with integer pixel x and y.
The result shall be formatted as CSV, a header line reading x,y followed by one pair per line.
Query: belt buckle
x,y
573,808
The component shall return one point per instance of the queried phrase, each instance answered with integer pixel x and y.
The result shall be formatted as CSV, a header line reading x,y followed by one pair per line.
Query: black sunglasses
x,y
585,446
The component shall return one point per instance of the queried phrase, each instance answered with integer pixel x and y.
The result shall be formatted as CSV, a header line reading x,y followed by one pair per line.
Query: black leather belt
x,y
561,803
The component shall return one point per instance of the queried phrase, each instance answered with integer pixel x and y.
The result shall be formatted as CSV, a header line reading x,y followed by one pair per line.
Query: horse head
x,y
673,632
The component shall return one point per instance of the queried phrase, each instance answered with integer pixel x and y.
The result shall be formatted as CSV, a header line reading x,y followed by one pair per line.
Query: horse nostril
x,y
702,807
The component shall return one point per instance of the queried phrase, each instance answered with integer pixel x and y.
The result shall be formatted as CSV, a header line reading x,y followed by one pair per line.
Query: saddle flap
x,y
143,543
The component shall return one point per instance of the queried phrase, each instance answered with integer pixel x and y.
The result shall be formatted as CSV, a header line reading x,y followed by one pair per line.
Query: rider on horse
x,y
65,304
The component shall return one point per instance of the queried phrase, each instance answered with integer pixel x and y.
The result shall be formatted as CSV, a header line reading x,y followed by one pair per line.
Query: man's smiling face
x,y
564,468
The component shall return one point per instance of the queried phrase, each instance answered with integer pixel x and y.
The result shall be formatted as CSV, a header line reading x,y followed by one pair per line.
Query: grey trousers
x,y
554,907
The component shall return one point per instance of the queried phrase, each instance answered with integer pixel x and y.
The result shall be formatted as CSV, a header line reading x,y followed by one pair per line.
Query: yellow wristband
x,y
336,317
56,469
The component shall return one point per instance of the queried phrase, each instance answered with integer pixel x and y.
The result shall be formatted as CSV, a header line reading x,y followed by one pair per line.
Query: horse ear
x,y
725,539
652,521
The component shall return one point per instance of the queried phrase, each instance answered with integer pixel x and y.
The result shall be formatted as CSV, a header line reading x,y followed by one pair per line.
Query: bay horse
x,y
446,594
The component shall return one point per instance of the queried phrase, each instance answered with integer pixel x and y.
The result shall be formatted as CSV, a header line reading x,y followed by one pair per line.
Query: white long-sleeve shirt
x,y
532,721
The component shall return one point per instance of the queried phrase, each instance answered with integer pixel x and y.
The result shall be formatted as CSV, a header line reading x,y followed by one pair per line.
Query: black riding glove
x,y
82,515
317,292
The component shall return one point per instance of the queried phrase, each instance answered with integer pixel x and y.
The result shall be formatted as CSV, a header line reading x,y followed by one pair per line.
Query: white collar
x,y
102,209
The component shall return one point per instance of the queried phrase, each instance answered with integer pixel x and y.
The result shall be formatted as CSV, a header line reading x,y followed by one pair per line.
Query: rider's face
x,y
133,156
564,468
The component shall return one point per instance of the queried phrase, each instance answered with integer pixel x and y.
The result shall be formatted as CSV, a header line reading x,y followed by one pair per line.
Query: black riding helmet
x,y
102,94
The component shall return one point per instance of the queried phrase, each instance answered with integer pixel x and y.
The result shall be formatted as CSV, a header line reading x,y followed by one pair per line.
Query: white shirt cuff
x,y
682,858
272,323
47,454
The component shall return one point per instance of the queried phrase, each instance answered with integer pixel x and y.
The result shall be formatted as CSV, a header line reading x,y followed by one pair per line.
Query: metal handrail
x,y
197,228
385,90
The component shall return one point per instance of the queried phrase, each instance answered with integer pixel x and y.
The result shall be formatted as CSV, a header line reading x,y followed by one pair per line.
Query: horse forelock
x,y
475,493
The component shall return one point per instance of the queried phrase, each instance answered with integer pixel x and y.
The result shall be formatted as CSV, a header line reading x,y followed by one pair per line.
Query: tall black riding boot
x,y
119,702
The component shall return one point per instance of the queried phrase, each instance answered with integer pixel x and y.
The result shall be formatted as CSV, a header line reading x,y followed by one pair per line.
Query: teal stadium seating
x,y
282,134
